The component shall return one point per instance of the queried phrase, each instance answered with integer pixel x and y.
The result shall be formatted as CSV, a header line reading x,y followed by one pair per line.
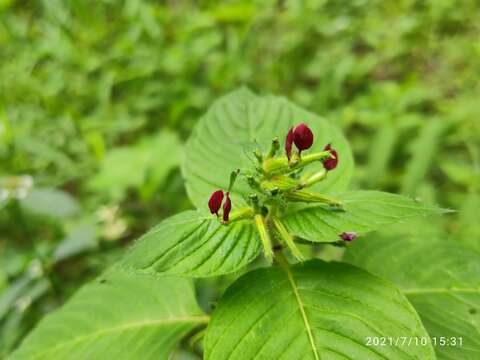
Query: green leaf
x,y
423,151
363,211
50,202
381,151
314,310
121,315
80,240
440,278
468,231
240,122
147,163
195,245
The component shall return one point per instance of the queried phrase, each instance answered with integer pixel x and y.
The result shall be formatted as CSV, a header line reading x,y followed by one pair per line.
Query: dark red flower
x,y
331,163
303,137
215,201
227,206
288,143
348,236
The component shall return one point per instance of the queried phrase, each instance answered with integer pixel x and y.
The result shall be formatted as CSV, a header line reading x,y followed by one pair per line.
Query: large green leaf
x,y
146,163
121,315
238,123
195,245
363,211
440,278
314,310
50,202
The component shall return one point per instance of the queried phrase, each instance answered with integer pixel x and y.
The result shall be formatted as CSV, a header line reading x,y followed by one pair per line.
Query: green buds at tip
x,y
258,155
274,148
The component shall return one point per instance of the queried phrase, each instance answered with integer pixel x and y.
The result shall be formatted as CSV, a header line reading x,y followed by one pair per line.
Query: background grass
x,y
97,97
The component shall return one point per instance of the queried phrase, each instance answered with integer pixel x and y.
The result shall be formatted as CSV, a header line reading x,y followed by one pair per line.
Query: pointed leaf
x,y
121,315
442,281
240,122
363,211
195,245
316,310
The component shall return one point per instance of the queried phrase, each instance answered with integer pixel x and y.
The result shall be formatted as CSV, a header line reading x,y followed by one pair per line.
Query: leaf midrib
x,y
418,291
285,266
185,319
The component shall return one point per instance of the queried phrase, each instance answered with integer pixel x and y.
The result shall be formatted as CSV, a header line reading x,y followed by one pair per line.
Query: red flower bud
x,y
227,206
302,137
348,236
331,163
215,201
288,143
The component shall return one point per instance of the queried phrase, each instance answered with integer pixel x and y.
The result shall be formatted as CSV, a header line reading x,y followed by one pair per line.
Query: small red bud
x,y
288,143
331,163
348,236
215,201
302,137
227,206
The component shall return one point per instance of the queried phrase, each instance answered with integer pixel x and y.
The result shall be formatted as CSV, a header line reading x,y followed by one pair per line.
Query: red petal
x,y
226,208
215,201
288,143
303,137
330,164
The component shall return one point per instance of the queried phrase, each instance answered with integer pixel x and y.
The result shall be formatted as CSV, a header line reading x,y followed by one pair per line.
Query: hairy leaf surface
x,y
316,310
240,122
440,278
193,244
121,315
363,211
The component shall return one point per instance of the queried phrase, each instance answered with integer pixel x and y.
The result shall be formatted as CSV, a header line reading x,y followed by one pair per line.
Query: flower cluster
x,y
215,203
277,180
302,137
216,199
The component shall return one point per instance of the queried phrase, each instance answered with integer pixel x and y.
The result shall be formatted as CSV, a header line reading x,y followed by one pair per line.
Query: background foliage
x,y
97,98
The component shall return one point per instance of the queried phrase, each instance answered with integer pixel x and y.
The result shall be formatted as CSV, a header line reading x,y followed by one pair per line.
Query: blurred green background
x,y
98,96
